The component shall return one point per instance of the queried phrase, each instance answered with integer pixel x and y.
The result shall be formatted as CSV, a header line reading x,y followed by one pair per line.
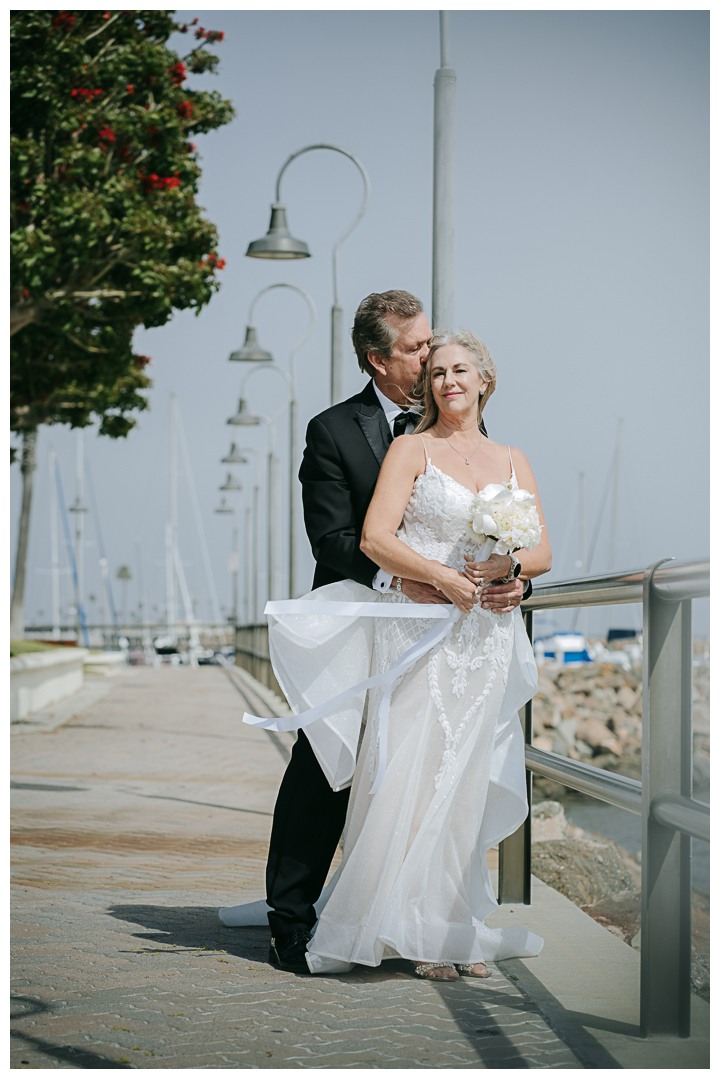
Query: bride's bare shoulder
x,y
518,455
405,449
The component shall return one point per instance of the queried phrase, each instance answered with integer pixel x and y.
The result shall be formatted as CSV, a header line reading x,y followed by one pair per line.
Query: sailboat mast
x,y
583,546
171,532
80,526
614,517
616,491
54,552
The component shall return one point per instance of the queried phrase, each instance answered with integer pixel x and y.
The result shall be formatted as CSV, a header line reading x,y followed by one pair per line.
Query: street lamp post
x,y
278,243
443,281
244,418
223,508
252,537
251,351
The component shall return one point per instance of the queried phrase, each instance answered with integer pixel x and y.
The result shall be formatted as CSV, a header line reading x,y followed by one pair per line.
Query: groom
x,y
345,448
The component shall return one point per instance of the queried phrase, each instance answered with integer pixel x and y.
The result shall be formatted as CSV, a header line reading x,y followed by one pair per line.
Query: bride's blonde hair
x,y
421,393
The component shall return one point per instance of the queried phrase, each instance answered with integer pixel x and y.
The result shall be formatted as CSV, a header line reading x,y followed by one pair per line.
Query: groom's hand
x,y
503,597
420,593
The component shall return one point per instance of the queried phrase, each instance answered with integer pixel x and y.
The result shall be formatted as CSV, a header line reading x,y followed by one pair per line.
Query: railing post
x,y
515,852
666,767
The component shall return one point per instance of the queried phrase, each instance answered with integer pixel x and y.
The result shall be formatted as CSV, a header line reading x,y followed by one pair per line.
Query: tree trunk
x,y
23,315
27,468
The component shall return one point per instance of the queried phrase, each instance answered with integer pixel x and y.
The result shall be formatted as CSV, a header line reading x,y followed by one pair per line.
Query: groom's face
x,y
410,352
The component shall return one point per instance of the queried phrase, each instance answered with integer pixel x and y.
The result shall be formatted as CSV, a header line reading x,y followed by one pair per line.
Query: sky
x,y
582,252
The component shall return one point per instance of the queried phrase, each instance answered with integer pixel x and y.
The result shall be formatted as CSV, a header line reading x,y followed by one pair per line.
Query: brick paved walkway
x,y
132,823
137,818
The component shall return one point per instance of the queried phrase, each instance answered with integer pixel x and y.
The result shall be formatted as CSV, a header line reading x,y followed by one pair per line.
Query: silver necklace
x,y
467,459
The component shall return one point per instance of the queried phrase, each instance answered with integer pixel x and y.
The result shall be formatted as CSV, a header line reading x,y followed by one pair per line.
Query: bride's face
x,y
456,382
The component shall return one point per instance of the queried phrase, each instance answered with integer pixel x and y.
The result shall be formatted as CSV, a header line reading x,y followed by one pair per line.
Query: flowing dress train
x,y
414,880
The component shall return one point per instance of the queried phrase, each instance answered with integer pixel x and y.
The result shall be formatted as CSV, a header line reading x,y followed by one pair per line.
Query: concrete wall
x,y
40,679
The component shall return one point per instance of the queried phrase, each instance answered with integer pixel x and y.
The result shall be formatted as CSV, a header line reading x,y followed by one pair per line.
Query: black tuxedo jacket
x,y
345,447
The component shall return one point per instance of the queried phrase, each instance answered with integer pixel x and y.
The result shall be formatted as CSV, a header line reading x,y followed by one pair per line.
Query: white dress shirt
x,y
382,580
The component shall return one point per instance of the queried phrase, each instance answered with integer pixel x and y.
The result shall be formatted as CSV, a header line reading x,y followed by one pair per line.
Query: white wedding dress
x,y
414,881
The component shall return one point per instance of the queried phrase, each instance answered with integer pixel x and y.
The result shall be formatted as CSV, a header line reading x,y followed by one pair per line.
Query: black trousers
x,y
307,825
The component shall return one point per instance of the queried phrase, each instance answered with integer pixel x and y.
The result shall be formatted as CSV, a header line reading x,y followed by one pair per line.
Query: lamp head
x,y
231,484
234,457
251,349
278,243
243,417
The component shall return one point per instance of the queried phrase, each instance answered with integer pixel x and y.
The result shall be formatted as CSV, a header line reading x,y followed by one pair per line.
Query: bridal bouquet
x,y
503,520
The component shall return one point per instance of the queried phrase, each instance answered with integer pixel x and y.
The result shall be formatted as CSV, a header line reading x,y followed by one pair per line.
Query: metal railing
x,y
670,816
252,653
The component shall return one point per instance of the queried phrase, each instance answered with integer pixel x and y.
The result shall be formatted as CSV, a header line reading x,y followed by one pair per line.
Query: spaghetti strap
x,y
512,467
427,456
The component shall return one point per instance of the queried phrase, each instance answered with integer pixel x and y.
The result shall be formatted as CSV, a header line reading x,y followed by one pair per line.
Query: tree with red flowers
x,y
106,234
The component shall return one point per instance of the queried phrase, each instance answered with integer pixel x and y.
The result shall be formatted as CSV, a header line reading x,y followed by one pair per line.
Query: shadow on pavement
x,y
474,1008
572,1027
22,1008
194,928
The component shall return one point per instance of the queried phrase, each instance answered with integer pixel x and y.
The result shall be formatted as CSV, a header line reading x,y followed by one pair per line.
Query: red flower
x,y
212,262
185,109
107,135
191,147
130,88
142,360
153,182
209,35
87,94
63,20
178,72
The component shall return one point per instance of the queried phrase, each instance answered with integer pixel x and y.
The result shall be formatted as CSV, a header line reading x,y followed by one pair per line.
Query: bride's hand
x,y
482,573
458,588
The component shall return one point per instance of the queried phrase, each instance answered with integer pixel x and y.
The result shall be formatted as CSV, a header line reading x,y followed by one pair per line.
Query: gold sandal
x,y
423,971
467,969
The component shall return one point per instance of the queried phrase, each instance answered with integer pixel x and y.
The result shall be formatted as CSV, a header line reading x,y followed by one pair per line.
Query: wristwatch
x,y
515,568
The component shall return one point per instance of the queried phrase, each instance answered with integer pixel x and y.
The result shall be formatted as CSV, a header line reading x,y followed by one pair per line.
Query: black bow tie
x,y
402,422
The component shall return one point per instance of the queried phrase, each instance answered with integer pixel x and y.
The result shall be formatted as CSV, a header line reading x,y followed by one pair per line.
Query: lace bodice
x,y
436,518
477,652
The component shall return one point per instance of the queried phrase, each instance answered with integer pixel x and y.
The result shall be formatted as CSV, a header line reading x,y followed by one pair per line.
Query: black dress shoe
x,y
287,951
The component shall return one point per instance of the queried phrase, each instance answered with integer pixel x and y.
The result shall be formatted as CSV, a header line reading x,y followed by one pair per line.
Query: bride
x,y
440,776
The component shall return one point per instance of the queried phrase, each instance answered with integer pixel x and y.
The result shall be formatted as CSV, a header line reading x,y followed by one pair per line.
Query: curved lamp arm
x,y
358,216
290,385
311,305
256,454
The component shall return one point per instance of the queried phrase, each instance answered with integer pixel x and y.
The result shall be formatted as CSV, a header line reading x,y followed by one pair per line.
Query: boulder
x,y
620,914
548,821
583,869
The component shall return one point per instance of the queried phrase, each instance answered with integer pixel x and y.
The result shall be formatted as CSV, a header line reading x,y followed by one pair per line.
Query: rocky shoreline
x,y
593,713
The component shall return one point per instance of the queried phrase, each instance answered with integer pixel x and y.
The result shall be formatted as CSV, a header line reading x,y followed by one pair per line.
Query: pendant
x,y
467,462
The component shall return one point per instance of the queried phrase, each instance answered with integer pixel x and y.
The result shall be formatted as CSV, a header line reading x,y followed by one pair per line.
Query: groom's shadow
x,y
193,928
200,928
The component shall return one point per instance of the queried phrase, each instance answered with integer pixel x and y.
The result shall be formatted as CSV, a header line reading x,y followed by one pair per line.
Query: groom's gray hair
x,y
371,331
